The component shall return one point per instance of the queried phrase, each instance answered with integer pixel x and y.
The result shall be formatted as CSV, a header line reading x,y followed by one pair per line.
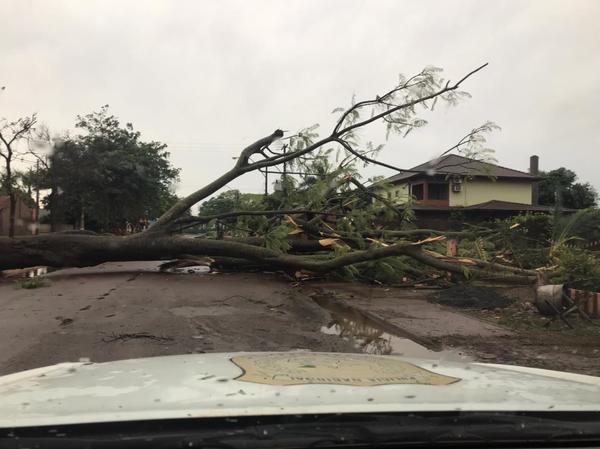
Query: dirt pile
x,y
469,297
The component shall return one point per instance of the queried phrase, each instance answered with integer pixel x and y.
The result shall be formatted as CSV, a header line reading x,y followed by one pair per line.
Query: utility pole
x,y
36,229
284,177
266,181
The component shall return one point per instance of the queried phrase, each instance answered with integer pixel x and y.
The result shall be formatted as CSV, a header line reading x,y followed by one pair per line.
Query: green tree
x,y
222,203
106,176
11,134
560,185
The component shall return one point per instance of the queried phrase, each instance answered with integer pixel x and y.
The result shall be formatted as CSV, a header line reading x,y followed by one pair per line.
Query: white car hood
x,y
212,385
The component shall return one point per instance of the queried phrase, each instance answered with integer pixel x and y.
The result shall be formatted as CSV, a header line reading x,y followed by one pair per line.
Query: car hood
x,y
251,384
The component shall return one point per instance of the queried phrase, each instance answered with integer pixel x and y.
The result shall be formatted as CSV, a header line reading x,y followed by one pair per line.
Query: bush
x,y
526,238
578,268
31,283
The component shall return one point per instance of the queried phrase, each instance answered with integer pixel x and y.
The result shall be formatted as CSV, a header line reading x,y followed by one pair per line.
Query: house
x,y
473,188
24,216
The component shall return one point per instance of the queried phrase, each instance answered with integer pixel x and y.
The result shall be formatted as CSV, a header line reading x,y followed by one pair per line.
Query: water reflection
x,y
374,336
373,340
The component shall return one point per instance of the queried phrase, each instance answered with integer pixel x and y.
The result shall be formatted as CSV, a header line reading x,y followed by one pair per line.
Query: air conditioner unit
x,y
456,187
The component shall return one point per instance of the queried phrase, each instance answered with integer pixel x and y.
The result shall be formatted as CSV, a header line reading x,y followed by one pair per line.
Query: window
x,y
437,191
417,191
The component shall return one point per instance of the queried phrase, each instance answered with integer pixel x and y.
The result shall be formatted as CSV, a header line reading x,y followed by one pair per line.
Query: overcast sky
x,y
208,77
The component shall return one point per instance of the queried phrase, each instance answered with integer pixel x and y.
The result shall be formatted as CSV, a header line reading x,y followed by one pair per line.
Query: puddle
x,y
374,341
374,336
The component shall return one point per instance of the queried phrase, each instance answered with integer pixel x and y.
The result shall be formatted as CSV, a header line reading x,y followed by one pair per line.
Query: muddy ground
x,y
128,310
515,335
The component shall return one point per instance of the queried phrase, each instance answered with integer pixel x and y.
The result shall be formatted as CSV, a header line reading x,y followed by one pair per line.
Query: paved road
x,y
115,311
129,309
411,311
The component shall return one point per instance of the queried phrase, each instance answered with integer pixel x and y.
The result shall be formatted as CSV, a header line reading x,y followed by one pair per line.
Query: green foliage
x,y
578,268
277,238
110,174
457,215
391,270
575,229
32,283
230,201
26,182
466,272
304,138
478,248
558,187
408,216
535,240
525,239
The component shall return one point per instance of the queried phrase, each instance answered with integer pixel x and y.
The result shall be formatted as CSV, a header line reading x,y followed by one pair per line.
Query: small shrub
x,y
31,283
578,268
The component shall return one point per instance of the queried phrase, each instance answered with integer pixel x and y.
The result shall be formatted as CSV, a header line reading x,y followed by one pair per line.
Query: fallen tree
x,y
332,237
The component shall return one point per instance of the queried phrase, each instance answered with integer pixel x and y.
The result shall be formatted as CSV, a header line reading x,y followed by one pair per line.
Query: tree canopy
x,y
109,175
560,185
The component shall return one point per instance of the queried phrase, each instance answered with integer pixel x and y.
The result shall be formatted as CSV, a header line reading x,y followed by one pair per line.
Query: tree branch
x,y
200,219
361,156
410,103
391,206
244,166
60,250
257,147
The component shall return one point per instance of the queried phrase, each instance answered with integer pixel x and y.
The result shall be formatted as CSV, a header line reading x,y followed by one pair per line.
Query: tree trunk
x,y
12,203
76,249
37,211
12,198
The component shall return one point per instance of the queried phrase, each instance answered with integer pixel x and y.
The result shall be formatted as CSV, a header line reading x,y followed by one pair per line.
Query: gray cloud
x,y
209,77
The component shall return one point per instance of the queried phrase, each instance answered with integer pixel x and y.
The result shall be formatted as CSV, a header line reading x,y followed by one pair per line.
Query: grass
x,y
31,283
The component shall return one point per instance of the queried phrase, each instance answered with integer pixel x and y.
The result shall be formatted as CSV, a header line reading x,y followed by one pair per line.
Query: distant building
x,y
454,183
24,216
